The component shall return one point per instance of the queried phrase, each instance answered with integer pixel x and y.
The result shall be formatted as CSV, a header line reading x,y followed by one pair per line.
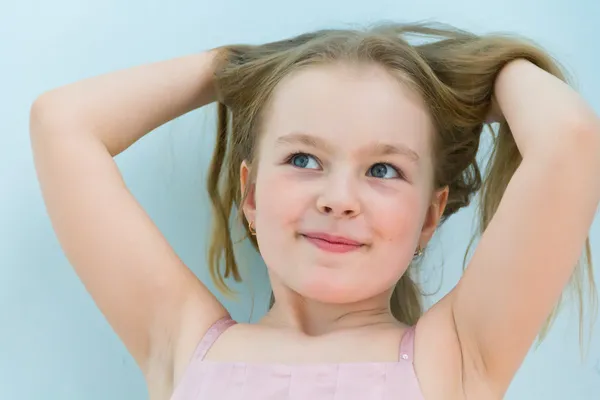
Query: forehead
x,y
349,105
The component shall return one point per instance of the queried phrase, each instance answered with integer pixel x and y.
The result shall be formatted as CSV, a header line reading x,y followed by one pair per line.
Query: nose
x,y
339,198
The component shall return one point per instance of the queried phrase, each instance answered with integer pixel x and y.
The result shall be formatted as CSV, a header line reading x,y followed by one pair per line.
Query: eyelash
x,y
289,159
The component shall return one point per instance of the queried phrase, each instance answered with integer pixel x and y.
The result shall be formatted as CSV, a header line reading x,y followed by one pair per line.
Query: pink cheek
x,y
396,219
279,197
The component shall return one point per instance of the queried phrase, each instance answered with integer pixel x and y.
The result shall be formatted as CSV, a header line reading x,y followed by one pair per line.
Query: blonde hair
x,y
454,72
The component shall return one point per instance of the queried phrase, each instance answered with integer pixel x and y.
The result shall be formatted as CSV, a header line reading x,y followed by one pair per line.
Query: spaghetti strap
x,y
407,345
211,336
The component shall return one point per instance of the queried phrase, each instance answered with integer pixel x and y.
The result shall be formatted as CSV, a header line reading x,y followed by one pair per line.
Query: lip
x,y
332,243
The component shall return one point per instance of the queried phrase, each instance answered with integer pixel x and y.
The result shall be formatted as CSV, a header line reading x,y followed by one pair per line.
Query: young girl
x,y
342,151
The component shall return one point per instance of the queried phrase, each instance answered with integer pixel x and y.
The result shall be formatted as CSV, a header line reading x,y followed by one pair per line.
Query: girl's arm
x,y
530,248
133,275
120,107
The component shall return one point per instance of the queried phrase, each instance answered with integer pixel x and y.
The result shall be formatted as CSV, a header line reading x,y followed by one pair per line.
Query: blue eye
x,y
302,160
384,171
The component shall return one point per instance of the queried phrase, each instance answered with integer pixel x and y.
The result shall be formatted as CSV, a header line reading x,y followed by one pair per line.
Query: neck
x,y
314,318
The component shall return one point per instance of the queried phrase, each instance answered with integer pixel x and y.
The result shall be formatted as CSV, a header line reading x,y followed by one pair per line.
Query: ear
x,y
433,215
249,204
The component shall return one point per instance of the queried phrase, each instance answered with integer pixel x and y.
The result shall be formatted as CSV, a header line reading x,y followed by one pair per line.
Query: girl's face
x,y
343,194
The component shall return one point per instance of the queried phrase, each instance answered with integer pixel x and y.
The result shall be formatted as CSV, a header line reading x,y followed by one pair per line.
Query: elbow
x,y
52,118
584,134
50,112
43,115
571,154
580,154
585,144
576,143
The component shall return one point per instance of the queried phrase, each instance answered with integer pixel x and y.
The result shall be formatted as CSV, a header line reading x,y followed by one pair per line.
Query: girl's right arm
x,y
138,282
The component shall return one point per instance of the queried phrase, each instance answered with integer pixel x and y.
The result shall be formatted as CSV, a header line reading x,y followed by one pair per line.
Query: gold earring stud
x,y
419,252
251,228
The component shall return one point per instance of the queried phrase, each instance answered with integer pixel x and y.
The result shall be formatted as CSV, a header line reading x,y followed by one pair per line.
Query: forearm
x,y
544,113
120,107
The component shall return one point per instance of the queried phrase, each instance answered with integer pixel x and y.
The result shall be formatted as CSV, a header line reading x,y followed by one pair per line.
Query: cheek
x,y
279,202
397,219
396,222
280,206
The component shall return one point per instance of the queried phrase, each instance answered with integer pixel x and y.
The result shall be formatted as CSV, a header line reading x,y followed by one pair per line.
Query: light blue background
x,y
54,344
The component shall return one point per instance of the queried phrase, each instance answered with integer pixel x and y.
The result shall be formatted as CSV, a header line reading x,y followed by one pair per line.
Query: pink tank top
x,y
212,380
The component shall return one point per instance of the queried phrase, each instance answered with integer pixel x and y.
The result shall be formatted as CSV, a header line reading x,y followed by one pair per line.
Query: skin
x,y
330,307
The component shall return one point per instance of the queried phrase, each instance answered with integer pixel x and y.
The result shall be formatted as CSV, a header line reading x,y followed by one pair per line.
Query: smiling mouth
x,y
332,244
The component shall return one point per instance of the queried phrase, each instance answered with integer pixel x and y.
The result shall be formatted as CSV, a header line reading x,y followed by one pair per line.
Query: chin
x,y
341,289
327,277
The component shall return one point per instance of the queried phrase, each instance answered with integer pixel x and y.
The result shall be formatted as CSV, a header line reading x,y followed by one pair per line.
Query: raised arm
x,y
530,248
133,275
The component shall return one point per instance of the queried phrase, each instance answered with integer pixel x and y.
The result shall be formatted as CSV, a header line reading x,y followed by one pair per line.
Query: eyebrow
x,y
384,149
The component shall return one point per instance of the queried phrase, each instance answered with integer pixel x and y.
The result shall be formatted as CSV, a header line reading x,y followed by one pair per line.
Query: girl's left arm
x,y
531,246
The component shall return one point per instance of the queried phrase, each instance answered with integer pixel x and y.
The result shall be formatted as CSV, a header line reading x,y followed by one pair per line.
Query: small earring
x,y
251,228
419,252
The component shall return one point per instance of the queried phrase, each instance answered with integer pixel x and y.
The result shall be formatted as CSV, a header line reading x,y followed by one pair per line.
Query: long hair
x,y
454,72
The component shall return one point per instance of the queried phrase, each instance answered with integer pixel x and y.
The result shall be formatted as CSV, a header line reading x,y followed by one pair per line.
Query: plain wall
x,y
54,343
